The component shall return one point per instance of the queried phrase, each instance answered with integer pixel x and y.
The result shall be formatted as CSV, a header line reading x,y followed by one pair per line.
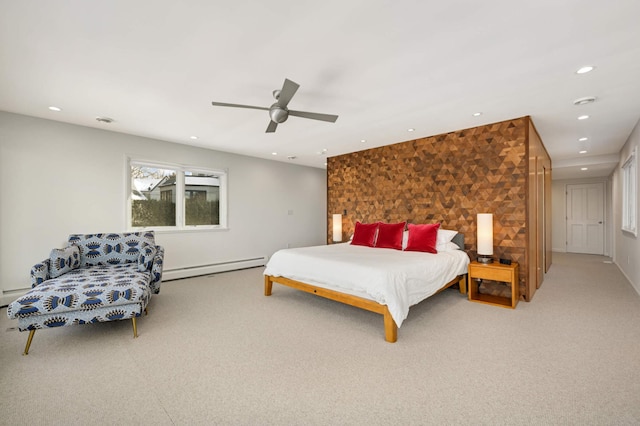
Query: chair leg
x,y
29,339
135,327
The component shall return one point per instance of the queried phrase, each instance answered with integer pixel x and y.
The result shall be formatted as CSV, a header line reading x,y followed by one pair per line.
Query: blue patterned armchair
x,y
96,278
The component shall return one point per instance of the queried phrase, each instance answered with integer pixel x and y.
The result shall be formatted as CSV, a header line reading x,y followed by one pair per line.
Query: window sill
x,y
181,230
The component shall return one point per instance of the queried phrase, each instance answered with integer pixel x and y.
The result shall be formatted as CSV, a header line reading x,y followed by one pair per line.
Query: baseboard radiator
x,y
8,296
212,268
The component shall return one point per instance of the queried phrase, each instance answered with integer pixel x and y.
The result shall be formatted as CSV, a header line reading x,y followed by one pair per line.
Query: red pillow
x,y
364,234
390,235
423,238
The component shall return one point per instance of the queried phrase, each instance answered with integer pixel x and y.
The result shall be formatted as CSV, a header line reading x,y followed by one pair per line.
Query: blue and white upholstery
x,y
96,278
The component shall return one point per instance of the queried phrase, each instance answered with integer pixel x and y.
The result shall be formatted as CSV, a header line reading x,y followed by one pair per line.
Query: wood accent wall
x,y
446,178
538,211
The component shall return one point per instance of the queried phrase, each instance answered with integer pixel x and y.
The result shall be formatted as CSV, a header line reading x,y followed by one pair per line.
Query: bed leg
x,y
390,327
463,284
268,285
135,327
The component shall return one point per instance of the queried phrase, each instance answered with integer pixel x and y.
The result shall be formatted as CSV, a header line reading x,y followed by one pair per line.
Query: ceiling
x,y
382,66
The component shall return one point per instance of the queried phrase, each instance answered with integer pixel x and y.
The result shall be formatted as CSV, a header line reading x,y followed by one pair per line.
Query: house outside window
x,y
176,197
166,195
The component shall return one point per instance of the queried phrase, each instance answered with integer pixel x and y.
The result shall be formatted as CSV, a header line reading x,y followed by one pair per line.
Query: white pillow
x,y
449,246
444,236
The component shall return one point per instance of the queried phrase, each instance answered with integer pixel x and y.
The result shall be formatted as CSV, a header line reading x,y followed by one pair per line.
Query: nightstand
x,y
494,272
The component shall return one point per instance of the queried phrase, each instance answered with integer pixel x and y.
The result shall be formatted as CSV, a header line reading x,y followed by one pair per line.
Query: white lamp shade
x,y
485,234
337,228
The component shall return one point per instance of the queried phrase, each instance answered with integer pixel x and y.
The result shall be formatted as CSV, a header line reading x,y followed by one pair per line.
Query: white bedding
x,y
398,279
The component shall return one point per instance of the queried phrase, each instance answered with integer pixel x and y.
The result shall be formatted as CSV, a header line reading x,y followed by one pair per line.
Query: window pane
x,y
153,196
629,194
201,199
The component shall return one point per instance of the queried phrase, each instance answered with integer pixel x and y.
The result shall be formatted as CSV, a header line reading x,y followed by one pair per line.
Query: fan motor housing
x,y
278,114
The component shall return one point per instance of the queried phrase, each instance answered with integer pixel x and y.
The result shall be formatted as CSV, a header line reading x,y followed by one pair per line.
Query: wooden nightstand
x,y
494,272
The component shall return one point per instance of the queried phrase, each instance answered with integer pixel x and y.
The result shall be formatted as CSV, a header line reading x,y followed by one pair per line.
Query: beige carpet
x,y
214,350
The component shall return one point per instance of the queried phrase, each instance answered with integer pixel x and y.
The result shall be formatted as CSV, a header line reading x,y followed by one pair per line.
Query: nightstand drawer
x,y
494,272
491,273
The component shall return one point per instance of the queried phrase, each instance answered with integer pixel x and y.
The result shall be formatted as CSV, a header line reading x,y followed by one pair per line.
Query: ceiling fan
x,y
279,111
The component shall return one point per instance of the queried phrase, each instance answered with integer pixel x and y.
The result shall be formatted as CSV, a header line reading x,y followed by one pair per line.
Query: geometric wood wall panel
x,y
446,178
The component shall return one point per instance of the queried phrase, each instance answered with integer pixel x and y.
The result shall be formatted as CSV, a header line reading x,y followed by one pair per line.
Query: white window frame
x,y
630,194
180,170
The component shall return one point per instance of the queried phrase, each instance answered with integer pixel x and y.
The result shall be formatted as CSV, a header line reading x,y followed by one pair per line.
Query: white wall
x,y
57,179
627,246
559,212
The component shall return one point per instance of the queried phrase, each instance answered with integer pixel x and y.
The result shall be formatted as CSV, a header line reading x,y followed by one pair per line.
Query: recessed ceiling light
x,y
584,151
291,157
106,120
325,164
583,139
584,168
410,129
477,114
583,117
274,153
585,69
55,108
193,138
363,140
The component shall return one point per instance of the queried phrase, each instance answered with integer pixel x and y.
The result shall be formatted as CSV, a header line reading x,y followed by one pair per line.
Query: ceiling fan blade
x,y
271,127
238,106
314,115
289,88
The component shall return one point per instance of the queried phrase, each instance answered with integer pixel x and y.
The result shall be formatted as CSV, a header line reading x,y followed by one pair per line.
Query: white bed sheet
x,y
398,279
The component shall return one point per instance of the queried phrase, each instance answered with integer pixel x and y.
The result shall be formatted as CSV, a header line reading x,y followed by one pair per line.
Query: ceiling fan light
x,y
277,114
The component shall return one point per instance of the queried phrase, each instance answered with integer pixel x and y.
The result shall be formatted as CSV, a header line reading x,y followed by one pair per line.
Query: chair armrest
x,y
40,272
156,270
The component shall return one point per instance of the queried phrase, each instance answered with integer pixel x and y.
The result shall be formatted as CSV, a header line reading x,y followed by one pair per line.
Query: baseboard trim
x,y
633,285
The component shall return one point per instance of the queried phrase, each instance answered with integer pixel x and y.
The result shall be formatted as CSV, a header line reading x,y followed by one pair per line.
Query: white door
x,y
585,218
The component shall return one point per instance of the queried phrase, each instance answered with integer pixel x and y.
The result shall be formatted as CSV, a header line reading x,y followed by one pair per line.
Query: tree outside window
x,y
176,197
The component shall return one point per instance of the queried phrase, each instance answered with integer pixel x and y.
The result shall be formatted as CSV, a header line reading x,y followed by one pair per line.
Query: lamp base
x,y
485,259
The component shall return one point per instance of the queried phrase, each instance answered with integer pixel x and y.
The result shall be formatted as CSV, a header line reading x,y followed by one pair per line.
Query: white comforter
x,y
398,279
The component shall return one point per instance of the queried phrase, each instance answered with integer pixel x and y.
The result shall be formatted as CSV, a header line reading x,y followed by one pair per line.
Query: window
x,y
629,194
176,197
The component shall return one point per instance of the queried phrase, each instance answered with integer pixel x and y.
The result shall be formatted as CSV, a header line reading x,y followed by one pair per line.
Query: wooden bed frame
x,y
390,327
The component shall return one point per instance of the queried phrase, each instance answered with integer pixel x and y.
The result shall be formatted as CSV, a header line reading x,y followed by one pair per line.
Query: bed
x,y
381,280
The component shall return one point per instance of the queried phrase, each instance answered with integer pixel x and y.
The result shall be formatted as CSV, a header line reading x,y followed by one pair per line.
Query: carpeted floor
x,y
214,350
